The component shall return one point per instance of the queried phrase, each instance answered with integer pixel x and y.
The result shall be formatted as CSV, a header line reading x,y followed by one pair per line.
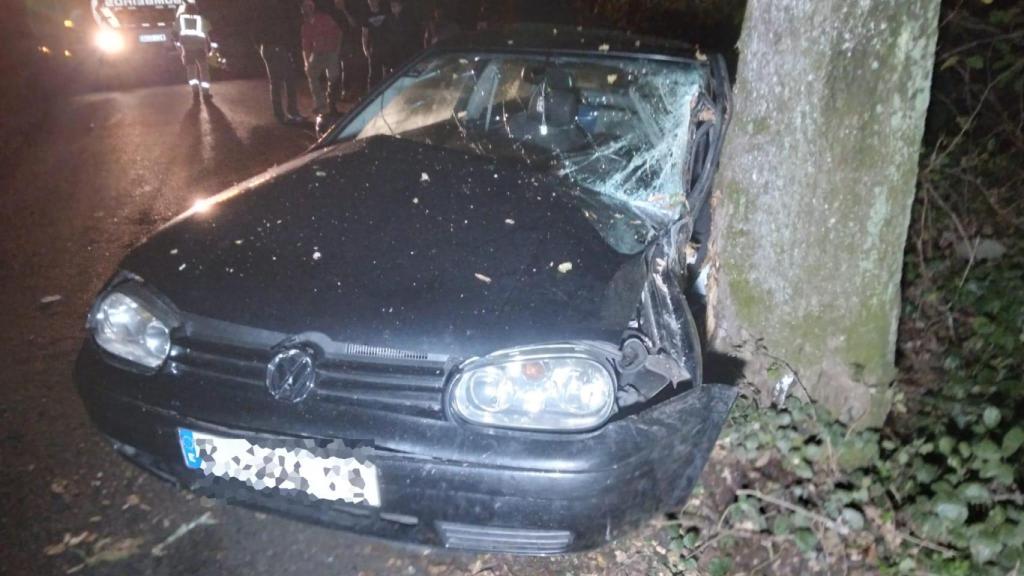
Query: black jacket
x,y
403,36
276,23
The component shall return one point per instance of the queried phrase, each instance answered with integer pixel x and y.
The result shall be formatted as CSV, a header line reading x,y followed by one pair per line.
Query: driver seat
x,y
550,119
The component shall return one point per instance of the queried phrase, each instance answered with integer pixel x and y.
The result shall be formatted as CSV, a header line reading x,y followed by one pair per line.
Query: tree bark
x,y
815,192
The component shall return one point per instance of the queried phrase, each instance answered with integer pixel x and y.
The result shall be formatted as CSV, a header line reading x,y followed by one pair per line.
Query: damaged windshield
x,y
616,126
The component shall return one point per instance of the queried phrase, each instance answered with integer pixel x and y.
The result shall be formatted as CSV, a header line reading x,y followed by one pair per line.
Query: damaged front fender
x,y
662,348
664,345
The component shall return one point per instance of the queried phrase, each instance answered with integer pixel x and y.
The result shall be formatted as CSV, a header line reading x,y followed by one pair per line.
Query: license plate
x,y
152,38
323,477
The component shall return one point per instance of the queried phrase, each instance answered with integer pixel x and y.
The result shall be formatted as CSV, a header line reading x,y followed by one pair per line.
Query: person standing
x,y
321,42
350,32
276,32
192,31
374,45
401,35
440,27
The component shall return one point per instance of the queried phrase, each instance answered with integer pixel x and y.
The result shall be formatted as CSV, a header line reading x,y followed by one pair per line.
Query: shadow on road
x,y
190,136
222,132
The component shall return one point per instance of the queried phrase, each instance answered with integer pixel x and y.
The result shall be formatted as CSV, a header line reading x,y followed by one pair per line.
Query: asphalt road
x,y
106,170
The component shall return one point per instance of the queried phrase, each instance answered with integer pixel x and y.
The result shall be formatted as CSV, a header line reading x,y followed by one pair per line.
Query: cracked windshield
x,y
618,127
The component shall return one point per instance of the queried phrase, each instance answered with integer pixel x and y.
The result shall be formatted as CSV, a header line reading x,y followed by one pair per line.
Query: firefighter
x,y
193,33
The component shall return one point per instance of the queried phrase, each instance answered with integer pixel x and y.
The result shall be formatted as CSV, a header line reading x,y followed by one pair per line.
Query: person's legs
x,y
373,74
333,70
289,76
355,72
203,64
336,91
289,84
315,67
191,73
277,75
193,76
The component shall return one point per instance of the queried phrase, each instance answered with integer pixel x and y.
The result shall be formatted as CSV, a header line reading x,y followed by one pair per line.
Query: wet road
x,y
106,171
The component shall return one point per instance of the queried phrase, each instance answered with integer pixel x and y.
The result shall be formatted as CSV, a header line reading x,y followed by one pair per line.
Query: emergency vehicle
x,y
132,25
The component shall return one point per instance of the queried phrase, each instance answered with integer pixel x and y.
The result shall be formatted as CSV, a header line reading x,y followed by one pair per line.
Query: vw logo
x,y
291,375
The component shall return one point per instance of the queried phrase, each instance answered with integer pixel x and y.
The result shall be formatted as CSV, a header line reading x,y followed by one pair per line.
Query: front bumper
x,y
497,491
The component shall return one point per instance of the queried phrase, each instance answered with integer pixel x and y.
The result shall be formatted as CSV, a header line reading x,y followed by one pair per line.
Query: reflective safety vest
x,y
191,25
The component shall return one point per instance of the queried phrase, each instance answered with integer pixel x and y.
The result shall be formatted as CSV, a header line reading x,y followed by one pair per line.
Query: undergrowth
x,y
938,490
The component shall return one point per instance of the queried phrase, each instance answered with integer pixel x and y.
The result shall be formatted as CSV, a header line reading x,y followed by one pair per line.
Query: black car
x,y
464,318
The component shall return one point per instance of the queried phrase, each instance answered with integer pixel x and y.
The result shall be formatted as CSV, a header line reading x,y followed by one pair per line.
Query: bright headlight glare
x,y
109,41
535,392
125,328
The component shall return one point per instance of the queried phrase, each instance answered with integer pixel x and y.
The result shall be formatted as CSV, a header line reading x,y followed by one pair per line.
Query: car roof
x,y
573,39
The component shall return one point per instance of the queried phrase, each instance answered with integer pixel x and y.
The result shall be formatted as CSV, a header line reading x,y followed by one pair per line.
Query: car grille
x,y
373,378
492,538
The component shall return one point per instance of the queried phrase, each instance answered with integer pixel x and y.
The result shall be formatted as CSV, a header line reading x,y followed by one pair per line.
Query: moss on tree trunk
x,y
815,191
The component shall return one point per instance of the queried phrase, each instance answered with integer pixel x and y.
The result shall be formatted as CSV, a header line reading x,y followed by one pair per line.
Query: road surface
x,y
106,170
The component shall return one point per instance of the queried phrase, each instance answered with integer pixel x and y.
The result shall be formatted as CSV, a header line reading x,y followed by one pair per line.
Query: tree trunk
x,y
815,193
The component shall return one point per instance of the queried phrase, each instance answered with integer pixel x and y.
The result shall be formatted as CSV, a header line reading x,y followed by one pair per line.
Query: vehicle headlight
x,y
536,390
109,41
125,328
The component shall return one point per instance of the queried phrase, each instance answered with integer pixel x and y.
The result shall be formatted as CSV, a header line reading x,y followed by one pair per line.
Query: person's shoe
x,y
295,119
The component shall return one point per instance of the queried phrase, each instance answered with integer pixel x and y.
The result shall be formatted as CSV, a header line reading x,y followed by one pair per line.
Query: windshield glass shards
x,y
616,126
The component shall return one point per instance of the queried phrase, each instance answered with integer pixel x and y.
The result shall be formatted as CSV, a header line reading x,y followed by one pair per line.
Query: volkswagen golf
x,y
464,318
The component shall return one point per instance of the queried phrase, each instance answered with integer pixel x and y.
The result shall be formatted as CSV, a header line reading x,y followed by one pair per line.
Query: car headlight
x,y
124,327
109,41
559,389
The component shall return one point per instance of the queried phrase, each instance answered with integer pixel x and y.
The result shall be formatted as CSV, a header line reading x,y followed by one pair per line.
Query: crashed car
x,y
464,318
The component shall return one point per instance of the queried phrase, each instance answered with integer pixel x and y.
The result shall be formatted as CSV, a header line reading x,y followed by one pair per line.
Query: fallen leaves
x,y
105,550
133,500
59,487
206,519
110,550
69,541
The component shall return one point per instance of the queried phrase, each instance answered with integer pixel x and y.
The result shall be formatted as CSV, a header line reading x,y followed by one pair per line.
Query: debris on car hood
x,y
480,255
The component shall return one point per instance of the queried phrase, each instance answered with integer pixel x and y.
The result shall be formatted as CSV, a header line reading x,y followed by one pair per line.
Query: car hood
x,y
387,242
